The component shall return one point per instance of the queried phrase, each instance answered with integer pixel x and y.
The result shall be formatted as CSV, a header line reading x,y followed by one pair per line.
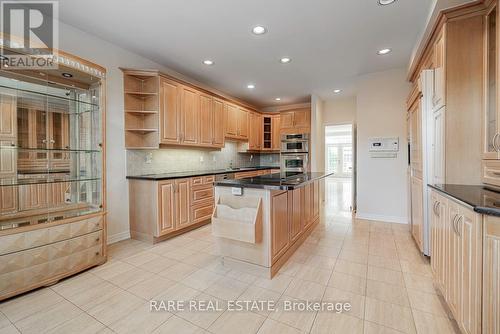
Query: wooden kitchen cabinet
x,y
280,231
170,112
469,228
231,120
457,260
296,121
491,120
439,87
255,132
438,222
190,115
166,216
218,122
206,125
417,210
295,203
182,203
452,281
161,209
307,193
416,137
243,121
491,276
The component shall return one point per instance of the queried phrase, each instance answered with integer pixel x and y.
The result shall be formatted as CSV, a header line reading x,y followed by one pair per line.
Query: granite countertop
x,y
180,175
482,199
275,181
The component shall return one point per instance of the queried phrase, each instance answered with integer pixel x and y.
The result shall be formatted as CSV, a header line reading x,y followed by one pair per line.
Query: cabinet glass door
x,y
491,141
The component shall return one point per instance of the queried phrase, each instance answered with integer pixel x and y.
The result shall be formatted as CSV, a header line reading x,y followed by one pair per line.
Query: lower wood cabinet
x,y
491,275
417,210
279,217
456,259
293,212
162,208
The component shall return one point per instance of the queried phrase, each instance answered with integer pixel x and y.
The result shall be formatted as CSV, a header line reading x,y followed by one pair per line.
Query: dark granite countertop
x,y
180,175
482,199
275,181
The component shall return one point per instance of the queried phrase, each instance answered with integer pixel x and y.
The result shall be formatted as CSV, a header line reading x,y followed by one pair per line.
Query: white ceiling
x,y
331,42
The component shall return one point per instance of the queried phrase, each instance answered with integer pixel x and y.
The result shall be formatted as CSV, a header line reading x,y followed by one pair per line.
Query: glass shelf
x,y
50,103
9,182
47,217
35,149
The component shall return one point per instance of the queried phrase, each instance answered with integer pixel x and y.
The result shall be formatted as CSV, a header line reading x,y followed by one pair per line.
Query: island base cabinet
x,y
491,276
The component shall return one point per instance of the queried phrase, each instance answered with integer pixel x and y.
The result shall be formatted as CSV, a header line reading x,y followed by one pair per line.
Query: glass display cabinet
x,y
52,191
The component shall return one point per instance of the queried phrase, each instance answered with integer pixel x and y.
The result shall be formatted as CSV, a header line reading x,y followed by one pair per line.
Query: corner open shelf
x,y
141,109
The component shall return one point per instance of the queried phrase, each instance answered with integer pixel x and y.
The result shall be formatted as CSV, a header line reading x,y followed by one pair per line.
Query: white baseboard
x,y
118,237
382,218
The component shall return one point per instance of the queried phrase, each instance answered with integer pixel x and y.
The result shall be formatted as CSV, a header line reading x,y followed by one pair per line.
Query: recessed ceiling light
x,y
384,51
250,86
285,60
208,62
336,91
259,30
278,99
67,75
385,2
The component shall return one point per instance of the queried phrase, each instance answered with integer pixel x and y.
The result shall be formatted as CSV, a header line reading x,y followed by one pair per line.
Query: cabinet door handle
x,y
460,221
454,222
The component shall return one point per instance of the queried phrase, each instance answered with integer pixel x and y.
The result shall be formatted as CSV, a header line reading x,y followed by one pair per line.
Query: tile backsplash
x,y
167,160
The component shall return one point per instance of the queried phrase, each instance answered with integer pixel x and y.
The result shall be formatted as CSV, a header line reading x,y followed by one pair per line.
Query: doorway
x,y
340,159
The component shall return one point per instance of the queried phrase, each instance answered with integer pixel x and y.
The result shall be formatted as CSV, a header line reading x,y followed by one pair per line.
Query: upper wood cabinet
x,y
491,121
255,132
218,122
243,121
231,120
439,91
298,121
190,115
416,137
170,112
206,125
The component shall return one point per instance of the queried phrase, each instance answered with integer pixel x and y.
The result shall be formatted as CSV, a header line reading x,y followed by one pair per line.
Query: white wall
x,y
340,110
317,135
381,111
111,57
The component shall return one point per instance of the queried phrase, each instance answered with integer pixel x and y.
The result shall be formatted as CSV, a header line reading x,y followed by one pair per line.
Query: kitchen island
x,y
260,222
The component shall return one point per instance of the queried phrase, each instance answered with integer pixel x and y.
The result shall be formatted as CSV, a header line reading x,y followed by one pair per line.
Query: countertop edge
x,y
151,177
476,208
228,183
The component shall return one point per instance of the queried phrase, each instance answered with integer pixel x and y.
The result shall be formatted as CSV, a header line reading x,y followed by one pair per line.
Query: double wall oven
x,y
295,152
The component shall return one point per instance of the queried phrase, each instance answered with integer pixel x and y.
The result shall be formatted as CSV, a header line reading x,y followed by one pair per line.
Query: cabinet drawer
x,y
197,181
202,211
209,179
46,254
202,194
491,172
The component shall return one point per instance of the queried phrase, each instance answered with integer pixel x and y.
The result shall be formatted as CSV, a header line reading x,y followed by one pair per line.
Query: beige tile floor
x,y
372,265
